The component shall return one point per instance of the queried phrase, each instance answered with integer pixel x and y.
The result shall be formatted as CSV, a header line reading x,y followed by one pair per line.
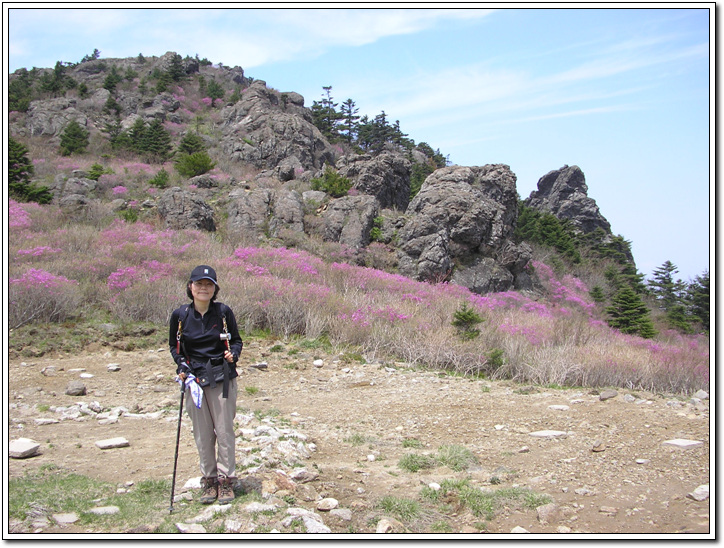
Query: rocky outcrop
x,y
463,213
265,211
386,177
349,220
264,131
564,193
182,209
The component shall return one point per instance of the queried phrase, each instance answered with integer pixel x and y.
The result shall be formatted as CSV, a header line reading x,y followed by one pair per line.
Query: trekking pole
x,y
178,436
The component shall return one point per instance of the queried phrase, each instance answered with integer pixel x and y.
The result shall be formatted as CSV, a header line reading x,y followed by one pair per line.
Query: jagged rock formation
x,y
463,215
458,227
564,193
267,128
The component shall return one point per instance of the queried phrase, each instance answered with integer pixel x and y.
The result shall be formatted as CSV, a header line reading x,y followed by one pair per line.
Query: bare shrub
x,y
39,296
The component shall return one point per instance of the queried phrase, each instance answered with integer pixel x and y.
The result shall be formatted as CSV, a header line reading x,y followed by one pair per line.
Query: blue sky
x,y
622,93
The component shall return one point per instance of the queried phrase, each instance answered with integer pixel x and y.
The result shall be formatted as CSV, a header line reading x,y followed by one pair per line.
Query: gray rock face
x,y
264,131
181,209
387,177
51,116
564,193
266,211
349,220
463,212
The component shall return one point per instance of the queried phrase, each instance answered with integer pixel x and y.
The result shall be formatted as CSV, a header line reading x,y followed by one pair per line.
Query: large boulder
x,y
386,177
467,214
182,209
349,220
265,211
564,193
263,130
50,117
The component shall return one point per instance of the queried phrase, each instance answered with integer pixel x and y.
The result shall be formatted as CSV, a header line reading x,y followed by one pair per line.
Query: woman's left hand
x,y
229,357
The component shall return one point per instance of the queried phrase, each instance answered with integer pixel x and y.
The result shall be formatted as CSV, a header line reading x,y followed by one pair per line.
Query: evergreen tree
x,y
699,299
20,90
190,143
192,165
214,90
629,314
348,115
157,141
663,286
113,78
56,82
176,69
20,170
325,115
73,139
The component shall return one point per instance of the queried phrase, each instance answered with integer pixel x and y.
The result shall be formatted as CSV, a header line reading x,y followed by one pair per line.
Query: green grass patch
x,y
401,508
456,457
485,503
413,462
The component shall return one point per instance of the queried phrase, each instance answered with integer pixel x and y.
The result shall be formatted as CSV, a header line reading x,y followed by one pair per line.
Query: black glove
x,y
184,368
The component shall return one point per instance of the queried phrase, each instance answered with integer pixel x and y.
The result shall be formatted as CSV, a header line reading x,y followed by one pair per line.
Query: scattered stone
x,y
559,407
191,528
682,444
583,491
325,505
434,486
524,449
389,525
562,529
114,367
628,398
261,365
518,529
113,443
701,493
598,446
642,461
702,395
49,371
549,434
209,512
257,507
22,448
302,475
75,388
104,510
86,376
607,395
608,510
548,513
65,519
41,422
193,483
318,363
342,513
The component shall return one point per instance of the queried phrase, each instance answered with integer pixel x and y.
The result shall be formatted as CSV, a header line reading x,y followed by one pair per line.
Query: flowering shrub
x,y
137,272
38,295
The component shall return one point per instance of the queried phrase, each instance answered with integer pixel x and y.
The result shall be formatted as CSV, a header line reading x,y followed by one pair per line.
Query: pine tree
x,y
214,90
73,139
176,69
20,170
349,118
699,299
157,141
190,143
663,286
629,314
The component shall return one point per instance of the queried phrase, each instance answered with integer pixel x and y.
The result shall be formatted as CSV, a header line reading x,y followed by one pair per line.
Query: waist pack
x,y
208,374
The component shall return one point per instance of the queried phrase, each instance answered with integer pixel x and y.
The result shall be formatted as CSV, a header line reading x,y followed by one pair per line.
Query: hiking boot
x,y
210,490
226,490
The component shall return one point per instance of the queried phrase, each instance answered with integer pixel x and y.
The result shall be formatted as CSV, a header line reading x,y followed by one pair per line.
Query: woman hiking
x,y
205,344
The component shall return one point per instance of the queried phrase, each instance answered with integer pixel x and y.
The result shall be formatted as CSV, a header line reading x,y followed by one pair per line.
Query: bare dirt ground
x,y
633,483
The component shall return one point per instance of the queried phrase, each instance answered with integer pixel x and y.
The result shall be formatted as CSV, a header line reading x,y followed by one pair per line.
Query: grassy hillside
x,y
101,270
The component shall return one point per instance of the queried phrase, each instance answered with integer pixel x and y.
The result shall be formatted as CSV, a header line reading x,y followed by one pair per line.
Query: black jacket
x,y
201,339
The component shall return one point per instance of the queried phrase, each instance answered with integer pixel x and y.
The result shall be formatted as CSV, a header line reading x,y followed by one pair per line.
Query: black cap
x,y
203,272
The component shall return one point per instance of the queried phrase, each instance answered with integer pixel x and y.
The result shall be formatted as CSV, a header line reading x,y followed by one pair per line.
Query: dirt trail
x,y
632,484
